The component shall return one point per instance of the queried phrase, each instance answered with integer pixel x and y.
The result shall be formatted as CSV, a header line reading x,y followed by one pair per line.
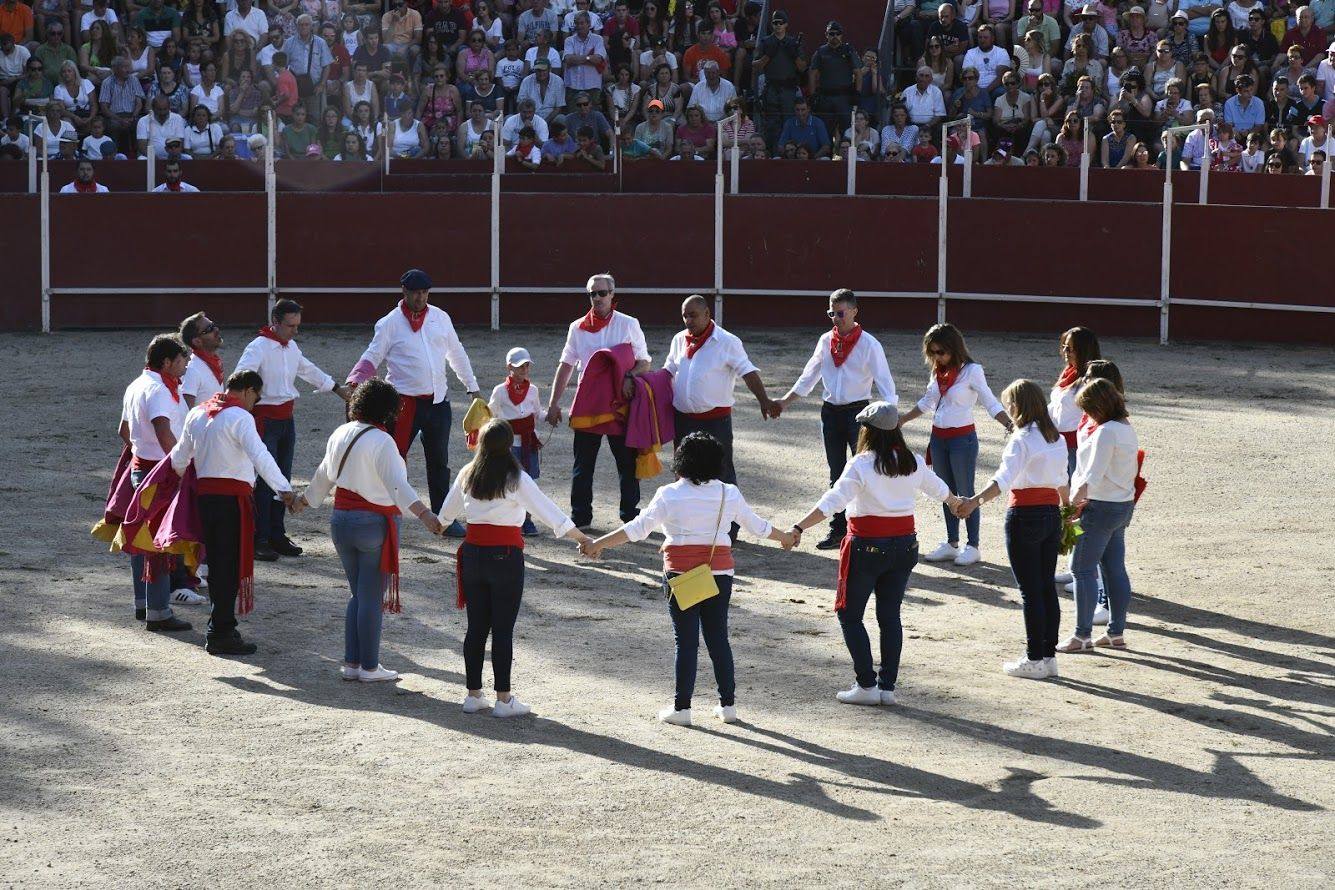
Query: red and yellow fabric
x,y
600,403
474,420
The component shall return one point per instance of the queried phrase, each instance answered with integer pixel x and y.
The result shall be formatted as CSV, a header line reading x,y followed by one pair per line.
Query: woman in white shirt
x,y
78,94
208,92
1033,468
203,136
1104,486
878,488
1078,347
695,514
955,385
373,490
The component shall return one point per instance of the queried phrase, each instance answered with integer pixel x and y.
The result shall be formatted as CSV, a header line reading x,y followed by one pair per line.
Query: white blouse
x,y
687,513
955,409
864,492
1063,409
226,446
1030,461
509,509
1107,462
373,470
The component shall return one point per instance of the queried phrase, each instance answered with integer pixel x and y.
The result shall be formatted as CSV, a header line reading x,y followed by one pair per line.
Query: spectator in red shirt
x,y
16,19
706,49
697,131
1306,35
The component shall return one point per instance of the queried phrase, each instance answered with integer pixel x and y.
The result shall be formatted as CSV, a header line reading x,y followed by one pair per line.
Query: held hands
x,y
770,409
965,506
790,539
554,414
293,503
432,523
589,548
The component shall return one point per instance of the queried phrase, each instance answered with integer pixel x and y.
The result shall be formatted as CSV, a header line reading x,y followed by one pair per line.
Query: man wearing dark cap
x,y
780,60
416,341
1243,110
835,70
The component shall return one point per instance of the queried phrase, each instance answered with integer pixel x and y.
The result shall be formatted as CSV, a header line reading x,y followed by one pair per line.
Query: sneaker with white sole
x,y
350,671
187,597
887,696
475,703
943,552
726,713
1070,586
377,675
512,708
1064,577
1051,664
675,717
1026,669
1101,614
858,695
968,556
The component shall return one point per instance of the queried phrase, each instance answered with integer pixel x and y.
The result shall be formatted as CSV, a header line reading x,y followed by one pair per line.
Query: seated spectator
x,y
402,28
1294,69
1002,156
432,56
95,55
1318,162
368,128
804,128
78,95
1307,105
1226,79
485,149
120,98
1281,146
584,115
655,132
475,56
706,49
440,102
483,89
543,49
973,101
1277,112
742,132
533,21
362,89
623,97
621,35
633,149
954,152
167,84
373,55
208,92
525,149
227,150
701,134
471,130
396,98
1244,111
330,132
407,137
864,136
924,151
54,52
923,102
569,20
248,19
158,21
1071,138
440,142
1163,70
1118,145
51,129
1088,25
243,101
545,91
1253,156
85,181
101,14
156,127
300,134
1195,145
561,147
526,117
203,134
97,145
1054,155
510,71
172,180
686,151
1012,112
1225,151
989,59
1310,39
656,54
712,94
490,24
1173,110
1082,63
286,95
589,153
672,96
1318,139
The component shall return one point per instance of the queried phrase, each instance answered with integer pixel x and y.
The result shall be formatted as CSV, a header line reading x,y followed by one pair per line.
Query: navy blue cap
x,y
416,279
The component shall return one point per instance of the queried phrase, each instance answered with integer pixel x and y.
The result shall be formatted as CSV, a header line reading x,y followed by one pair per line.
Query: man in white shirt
x,y
991,61
278,359
219,437
924,102
203,378
545,91
85,181
848,362
601,328
172,181
417,342
713,94
248,19
157,126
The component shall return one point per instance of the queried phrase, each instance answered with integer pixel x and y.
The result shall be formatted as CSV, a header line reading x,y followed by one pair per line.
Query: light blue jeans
x,y
358,537
1102,547
955,461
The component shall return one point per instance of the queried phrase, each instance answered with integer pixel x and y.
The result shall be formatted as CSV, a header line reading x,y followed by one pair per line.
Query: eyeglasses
x,y
836,313
600,292
210,329
1274,166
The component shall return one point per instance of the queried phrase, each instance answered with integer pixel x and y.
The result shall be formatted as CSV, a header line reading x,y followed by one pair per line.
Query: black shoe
x,y
140,614
229,646
265,553
284,547
832,540
169,624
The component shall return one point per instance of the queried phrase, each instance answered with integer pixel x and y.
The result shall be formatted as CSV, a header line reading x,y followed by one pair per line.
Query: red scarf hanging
x,y
866,527
693,343
213,360
517,389
268,334
220,402
86,188
245,503
593,323
173,384
946,379
346,499
415,319
842,344
1068,378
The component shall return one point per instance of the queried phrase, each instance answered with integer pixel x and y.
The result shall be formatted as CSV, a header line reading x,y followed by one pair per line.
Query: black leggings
x,y
493,580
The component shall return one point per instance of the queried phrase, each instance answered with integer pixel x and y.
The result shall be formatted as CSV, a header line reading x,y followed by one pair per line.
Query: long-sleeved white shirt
x,y
1030,461
226,446
198,381
147,398
580,344
687,513
852,381
1063,409
862,491
706,381
280,366
1106,462
956,408
509,509
416,361
500,405
374,469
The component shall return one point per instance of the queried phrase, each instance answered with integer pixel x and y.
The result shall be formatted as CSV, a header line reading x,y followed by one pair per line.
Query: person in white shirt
x,y
601,328
278,359
516,401
1104,487
203,378
1078,347
924,102
694,514
712,94
1033,469
848,362
85,181
154,128
990,60
878,487
418,344
363,461
494,495
219,437
246,17
171,174
955,385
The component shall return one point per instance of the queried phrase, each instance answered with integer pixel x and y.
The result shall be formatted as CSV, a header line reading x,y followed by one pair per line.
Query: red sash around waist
x,y
481,535
526,428
1034,497
142,464
1069,436
866,527
403,426
711,414
244,493
946,432
272,412
345,499
684,557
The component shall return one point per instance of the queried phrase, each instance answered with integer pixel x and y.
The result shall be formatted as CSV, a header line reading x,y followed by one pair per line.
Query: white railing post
x,y
1206,162
1325,183
32,158
497,166
44,199
385,139
852,166
616,143
735,166
942,198
1084,165
150,153
271,221
968,157
1165,248
718,243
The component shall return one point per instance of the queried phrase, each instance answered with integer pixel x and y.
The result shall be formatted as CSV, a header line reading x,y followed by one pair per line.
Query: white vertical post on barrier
x,y
1325,184
718,245
384,138
942,197
735,166
616,144
151,155
32,159
968,157
497,167
44,200
1206,163
1084,165
271,221
852,168
1165,248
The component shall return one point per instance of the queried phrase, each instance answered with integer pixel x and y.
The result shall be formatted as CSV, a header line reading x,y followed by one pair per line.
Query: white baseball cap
x,y
516,357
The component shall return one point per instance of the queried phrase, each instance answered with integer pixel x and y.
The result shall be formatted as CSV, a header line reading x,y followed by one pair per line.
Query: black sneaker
x,y
169,624
284,547
832,540
140,614
232,645
265,553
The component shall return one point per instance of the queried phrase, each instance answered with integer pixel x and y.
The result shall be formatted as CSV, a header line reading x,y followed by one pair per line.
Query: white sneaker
x,y
857,695
350,672
1051,664
202,572
512,708
968,556
187,597
726,713
475,703
942,553
1026,669
1101,615
887,697
377,675
1064,577
1070,586
675,717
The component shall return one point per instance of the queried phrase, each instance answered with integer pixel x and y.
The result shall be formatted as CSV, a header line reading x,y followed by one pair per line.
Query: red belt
x,y
526,429
711,414
346,499
272,412
403,427
482,535
1034,497
866,527
1069,436
244,493
947,432
684,557
142,464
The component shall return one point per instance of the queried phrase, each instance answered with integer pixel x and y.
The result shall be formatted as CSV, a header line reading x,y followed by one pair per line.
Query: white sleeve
x,y
307,371
1012,461
184,450
747,517
1092,460
378,348
321,483
453,507
393,474
672,364
161,404
568,354
931,396
845,488
741,362
542,507
990,402
458,359
931,484
885,382
250,357
650,518
638,344
806,381
249,440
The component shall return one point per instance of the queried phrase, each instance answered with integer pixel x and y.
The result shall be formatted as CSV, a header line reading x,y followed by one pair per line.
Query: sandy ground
x,y
1202,756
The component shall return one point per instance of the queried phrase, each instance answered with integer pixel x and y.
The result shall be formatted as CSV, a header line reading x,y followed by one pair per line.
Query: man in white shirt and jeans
x,y
417,341
848,362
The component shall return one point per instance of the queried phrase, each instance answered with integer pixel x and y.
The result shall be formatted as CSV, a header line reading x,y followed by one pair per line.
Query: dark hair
x,y
162,349
1031,406
493,470
284,308
1101,401
374,401
893,457
845,296
240,381
698,459
189,329
949,338
1085,344
586,132
1102,369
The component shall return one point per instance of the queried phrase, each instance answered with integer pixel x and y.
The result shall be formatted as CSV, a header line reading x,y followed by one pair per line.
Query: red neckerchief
x,y
1086,421
841,345
693,343
173,186
172,383
221,402
516,389
89,188
593,324
213,360
267,333
415,319
1068,378
946,379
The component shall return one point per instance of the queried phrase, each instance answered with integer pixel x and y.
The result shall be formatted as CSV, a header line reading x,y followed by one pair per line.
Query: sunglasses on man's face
x,y
599,293
836,313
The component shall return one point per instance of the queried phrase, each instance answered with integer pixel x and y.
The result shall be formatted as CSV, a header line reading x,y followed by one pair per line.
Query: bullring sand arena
x,y
1199,757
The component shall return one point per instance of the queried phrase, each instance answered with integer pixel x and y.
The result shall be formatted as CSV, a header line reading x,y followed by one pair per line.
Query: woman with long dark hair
x,y
1078,347
878,489
494,495
695,514
1033,468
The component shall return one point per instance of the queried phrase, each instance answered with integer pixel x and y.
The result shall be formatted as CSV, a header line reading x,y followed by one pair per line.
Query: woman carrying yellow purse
x,y
695,513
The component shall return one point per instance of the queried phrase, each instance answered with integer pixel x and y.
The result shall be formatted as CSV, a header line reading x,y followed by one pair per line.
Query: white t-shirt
x,y
66,131
198,381
108,17
531,56
509,72
987,64
174,127
212,100
75,103
146,399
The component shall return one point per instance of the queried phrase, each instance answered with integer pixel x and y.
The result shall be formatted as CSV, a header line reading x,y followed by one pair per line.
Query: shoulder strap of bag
x,y
718,523
346,451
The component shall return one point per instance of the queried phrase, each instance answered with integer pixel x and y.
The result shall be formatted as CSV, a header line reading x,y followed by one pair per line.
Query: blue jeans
x,y
955,461
839,428
280,438
586,447
358,536
881,566
433,422
1102,547
155,595
709,618
1033,537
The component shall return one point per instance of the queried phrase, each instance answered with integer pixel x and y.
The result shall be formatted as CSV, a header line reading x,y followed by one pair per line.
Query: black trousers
x,y
432,422
1033,537
493,580
220,522
581,478
881,566
839,428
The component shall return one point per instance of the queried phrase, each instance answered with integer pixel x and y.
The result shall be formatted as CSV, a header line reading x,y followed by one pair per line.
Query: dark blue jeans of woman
x,y
358,536
710,619
1033,537
955,461
493,580
881,566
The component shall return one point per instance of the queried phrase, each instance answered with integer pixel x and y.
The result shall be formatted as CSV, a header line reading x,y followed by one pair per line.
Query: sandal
x,y
1107,641
1075,644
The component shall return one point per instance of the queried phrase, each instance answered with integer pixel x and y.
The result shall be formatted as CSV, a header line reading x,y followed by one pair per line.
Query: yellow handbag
x,y
697,585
